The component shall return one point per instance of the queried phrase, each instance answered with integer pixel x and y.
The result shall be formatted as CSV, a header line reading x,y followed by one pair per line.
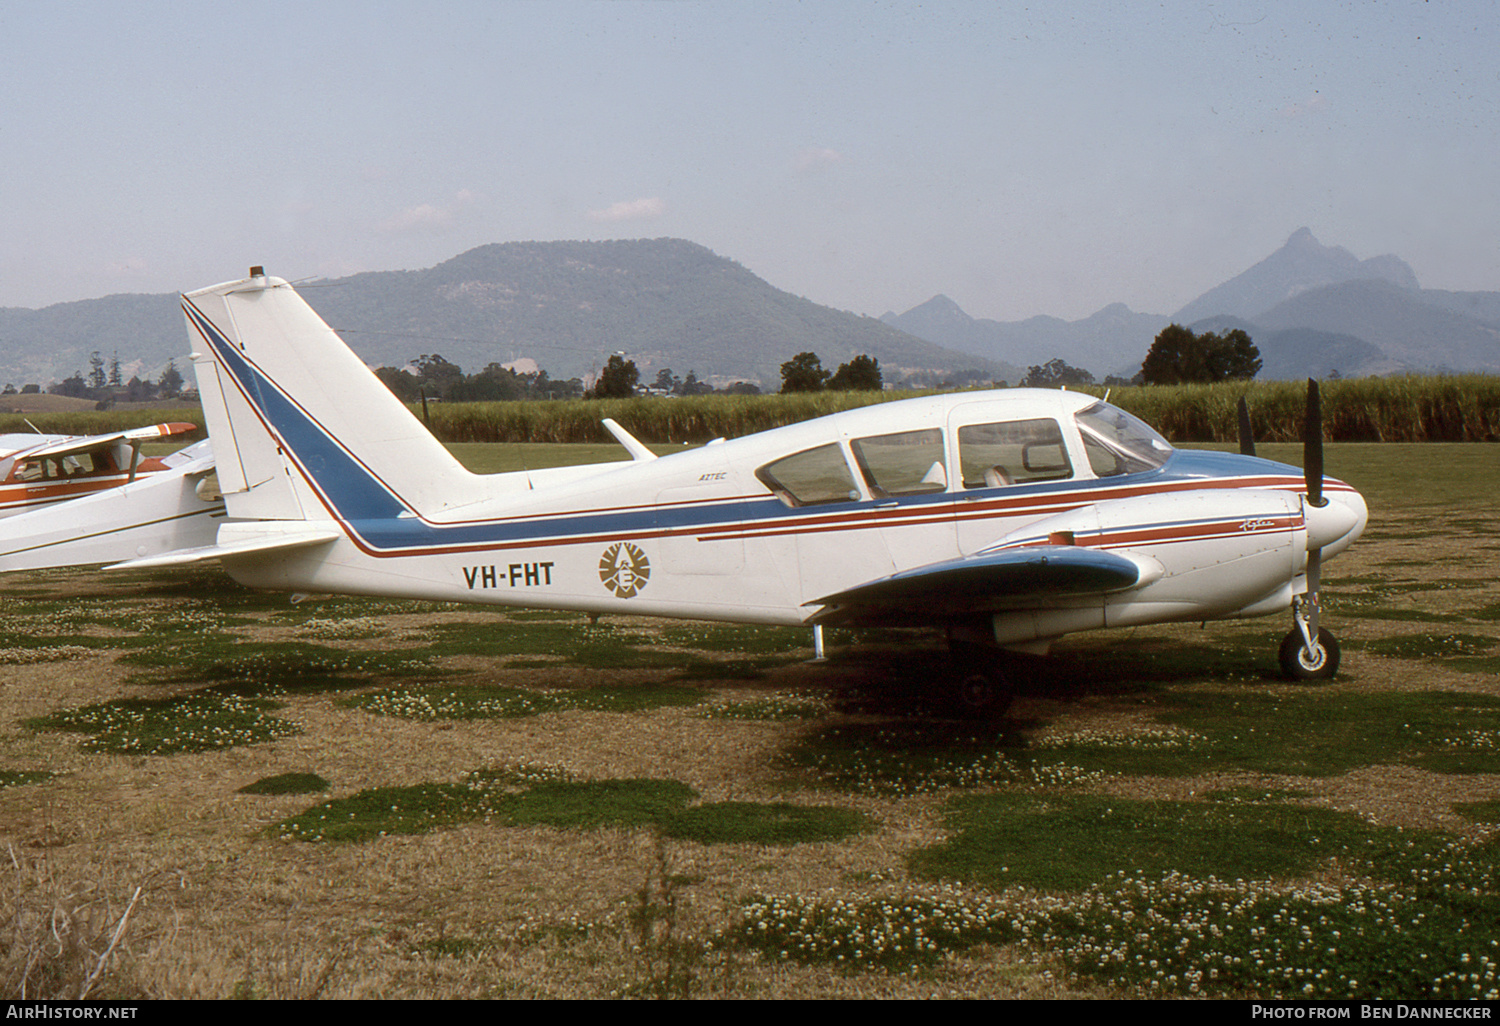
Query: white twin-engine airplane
x,y
1008,517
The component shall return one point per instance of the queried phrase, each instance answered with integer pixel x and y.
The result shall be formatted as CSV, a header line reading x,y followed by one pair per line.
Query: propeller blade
x,y
1247,437
1312,445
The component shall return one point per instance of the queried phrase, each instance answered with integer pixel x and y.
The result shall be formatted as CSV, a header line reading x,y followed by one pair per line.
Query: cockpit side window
x,y
903,463
1118,443
1012,452
30,470
811,477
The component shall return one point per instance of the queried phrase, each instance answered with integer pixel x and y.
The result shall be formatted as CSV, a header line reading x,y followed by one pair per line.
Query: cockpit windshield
x,y
1118,443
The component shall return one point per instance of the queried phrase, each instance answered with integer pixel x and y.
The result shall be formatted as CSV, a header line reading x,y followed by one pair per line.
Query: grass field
x,y
209,792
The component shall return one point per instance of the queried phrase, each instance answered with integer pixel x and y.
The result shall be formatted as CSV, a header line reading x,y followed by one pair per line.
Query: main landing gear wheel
x,y
981,689
1297,663
983,695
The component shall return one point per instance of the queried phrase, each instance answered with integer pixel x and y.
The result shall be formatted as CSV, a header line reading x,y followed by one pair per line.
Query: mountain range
x,y
1310,309
566,306
668,303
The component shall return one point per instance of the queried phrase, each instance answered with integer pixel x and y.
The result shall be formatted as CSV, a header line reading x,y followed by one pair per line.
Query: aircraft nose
x,y
1334,526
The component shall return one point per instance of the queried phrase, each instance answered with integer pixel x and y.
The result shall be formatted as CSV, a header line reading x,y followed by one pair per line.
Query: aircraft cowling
x,y
1204,554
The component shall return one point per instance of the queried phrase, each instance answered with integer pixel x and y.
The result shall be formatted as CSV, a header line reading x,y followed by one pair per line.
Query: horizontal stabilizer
x,y
987,581
280,541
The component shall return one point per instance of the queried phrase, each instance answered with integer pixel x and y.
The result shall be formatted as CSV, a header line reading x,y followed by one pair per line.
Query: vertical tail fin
x,y
280,391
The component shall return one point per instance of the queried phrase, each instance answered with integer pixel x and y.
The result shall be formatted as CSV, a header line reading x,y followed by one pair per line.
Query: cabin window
x,y
1012,452
63,468
1118,443
810,477
905,463
30,470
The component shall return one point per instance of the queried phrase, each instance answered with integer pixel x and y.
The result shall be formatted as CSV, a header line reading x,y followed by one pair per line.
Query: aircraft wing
x,y
88,443
984,582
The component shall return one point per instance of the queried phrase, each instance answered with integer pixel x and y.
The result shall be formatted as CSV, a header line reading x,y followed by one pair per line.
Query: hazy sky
x,y
1024,159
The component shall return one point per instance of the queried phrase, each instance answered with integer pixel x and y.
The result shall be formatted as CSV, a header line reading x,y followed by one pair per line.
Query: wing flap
x,y
985,582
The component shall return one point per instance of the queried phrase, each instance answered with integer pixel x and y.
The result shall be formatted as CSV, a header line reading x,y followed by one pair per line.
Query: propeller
x,y
1247,437
1312,445
1312,469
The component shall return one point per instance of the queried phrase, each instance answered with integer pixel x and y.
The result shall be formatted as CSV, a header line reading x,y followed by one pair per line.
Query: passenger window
x,y
810,477
906,463
1013,452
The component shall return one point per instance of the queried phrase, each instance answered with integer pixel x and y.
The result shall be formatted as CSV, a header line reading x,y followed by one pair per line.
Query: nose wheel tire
x,y
1297,663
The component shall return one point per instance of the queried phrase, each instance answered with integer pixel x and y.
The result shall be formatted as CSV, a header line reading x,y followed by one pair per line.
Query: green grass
x,y
1318,733
272,668
772,823
1280,730
1421,923
773,708
476,701
1071,842
20,778
287,783
569,805
893,934
892,757
1428,646
1480,812
200,722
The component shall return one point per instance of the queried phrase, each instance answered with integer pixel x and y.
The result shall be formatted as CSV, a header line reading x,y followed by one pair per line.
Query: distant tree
x,y
73,387
1054,374
947,380
97,377
742,388
617,380
1178,356
403,385
437,376
494,384
861,374
803,373
30,389
692,386
666,381
170,382
138,391
9,389
115,379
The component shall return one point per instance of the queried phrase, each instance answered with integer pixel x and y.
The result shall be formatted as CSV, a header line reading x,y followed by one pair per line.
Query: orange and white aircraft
x,y
1009,518
38,470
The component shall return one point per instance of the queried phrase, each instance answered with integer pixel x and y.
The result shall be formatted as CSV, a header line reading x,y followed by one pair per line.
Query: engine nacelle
x,y
1206,554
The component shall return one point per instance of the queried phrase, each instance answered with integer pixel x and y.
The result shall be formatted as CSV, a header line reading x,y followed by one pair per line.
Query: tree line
x,y
430,376
1177,356
105,384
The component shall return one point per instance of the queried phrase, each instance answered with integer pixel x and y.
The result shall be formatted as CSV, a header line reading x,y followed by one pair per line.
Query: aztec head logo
x,y
624,569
